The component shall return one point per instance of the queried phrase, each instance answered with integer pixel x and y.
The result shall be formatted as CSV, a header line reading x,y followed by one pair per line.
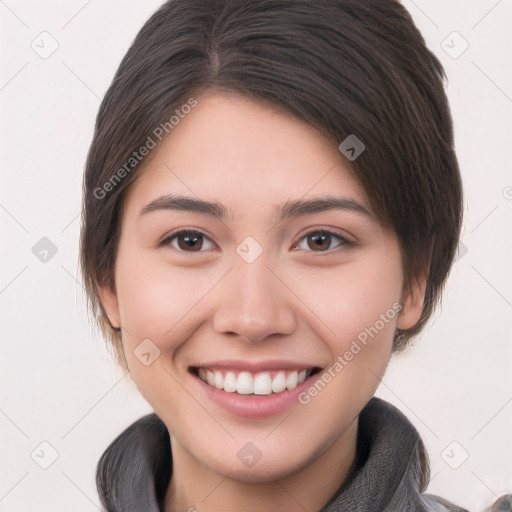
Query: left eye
x,y
321,241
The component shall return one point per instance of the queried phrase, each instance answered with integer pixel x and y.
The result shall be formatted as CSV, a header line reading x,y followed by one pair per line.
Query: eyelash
x,y
343,240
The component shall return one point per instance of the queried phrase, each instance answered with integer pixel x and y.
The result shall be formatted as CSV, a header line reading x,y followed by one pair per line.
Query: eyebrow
x,y
288,210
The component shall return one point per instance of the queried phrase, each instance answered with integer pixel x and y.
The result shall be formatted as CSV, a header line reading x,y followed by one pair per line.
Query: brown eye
x,y
321,241
190,240
187,241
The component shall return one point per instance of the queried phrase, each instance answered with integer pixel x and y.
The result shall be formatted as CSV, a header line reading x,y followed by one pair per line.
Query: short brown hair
x,y
342,66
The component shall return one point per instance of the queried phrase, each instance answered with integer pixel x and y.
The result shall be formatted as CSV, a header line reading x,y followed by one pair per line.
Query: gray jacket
x,y
391,475
393,467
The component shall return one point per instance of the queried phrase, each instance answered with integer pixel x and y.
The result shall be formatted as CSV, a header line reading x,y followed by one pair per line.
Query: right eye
x,y
187,240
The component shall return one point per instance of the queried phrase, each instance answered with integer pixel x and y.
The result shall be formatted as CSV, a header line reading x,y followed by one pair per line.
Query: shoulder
x,y
502,504
438,504
134,470
383,425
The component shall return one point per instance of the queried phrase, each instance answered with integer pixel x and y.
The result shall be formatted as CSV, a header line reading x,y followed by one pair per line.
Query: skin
x,y
304,305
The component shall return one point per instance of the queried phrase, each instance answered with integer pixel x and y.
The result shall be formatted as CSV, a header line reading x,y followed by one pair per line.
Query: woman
x,y
272,204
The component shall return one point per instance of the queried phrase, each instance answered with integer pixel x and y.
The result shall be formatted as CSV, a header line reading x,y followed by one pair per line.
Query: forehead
x,y
244,153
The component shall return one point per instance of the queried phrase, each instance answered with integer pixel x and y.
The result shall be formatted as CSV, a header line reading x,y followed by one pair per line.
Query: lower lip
x,y
254,406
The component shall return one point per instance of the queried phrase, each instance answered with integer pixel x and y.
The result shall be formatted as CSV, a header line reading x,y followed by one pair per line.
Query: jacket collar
x,y
392,467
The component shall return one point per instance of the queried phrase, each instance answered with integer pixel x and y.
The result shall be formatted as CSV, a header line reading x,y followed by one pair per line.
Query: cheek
x,y
353,300
162,302
361,307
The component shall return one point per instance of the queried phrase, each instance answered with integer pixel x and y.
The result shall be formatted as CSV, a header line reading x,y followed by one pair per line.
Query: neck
x,y
196,487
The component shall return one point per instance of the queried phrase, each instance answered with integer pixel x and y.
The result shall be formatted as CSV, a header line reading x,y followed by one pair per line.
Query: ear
x,y
108,300
412,304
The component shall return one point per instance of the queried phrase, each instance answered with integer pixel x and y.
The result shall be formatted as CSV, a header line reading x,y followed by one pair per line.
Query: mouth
x,y
260,383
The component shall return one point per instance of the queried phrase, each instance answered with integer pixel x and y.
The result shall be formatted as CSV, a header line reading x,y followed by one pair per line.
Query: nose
x,y
254,302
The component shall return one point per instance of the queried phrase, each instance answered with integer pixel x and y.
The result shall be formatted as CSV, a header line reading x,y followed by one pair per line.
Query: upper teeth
x,y
247,383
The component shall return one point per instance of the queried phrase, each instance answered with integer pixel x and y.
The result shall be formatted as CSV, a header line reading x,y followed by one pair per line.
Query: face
x,y
266,315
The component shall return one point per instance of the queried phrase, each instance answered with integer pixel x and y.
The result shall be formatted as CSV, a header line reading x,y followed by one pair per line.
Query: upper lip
x,y
254,367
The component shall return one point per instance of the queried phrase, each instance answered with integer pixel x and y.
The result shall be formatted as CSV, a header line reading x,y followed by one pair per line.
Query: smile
x,y
253,383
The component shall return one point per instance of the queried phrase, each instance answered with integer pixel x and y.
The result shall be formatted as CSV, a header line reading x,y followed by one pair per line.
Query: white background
x,y
57,381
